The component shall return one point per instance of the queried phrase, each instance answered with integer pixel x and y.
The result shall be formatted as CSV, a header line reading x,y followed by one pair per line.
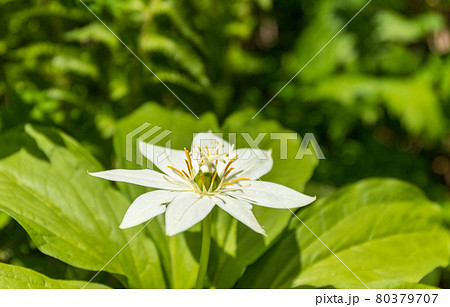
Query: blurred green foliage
x,y
380,89
377,98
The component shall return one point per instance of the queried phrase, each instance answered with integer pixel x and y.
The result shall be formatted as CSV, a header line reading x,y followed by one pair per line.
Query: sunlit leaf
x,y
385,231
15,277
4,220
69,215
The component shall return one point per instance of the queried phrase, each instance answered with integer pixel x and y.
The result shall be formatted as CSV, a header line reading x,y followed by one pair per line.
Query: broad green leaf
x,y
238,246
4,220
70,215
15,277
179,253
384,230
395,284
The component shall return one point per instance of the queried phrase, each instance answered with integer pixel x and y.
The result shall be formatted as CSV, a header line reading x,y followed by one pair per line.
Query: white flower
x,y
212,173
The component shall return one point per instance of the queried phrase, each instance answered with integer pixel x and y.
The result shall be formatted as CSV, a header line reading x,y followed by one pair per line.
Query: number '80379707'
x,y
406,298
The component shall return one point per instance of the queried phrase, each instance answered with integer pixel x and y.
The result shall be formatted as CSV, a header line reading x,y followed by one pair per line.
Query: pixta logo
x,y
146,133
283,145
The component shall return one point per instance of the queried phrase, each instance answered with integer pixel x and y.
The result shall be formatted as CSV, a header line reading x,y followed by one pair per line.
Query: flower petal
x,y
251,163
147,206
272,195
209,139
212,142
163,157
186,210
144,177
242,211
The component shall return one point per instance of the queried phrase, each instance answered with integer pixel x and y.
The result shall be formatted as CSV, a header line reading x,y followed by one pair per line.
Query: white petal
x,y
147,206
273,195
186,210
144,177
251,163
163,157
242,211
209,139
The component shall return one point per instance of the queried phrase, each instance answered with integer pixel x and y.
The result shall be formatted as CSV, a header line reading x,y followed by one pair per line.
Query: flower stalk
x,y
204,254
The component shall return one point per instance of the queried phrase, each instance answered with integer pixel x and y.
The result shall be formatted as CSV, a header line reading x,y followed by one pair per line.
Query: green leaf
x,y
415,102
324,24
4,220
239,246
395,284
15,277
384,230
394,27
412,100
70,215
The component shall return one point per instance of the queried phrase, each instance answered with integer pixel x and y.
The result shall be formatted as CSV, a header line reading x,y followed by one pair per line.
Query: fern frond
x,y
93,32
182,26
182,55
53,58
174,77
46,9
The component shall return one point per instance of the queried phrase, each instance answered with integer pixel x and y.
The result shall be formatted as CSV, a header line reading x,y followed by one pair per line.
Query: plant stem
x,y
204,254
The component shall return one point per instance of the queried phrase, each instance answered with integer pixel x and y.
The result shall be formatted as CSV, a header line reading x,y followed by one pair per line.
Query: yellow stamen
x,y
189,169
188,156
187,176
226,183
212,182
173,168
229,171
239,179
207,150
214,177
229,163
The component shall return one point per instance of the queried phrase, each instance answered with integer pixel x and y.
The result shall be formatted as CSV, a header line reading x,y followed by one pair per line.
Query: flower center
x,y
207,181
210,157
